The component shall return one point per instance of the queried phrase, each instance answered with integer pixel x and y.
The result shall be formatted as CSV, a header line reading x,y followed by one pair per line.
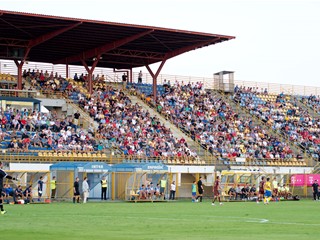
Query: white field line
x,y
212,219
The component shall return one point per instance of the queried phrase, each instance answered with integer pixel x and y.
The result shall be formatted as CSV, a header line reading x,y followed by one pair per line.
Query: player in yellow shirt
x,y
267,191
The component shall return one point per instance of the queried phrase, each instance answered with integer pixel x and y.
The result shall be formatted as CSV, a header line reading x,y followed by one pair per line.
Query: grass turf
x,y
172,220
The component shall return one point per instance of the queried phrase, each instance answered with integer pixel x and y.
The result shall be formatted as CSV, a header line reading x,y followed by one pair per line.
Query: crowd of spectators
x,y
211,121
205,115
255,90
23,130
50,82
313,102
285,116
84,78
131,128
40,80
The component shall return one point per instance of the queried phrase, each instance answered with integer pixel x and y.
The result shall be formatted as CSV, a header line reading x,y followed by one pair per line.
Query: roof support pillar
x,y
131,75
90,71
67,70
19,66
154,78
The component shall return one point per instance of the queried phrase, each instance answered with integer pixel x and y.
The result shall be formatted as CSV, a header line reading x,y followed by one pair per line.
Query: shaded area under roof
x,y
19,99
62,40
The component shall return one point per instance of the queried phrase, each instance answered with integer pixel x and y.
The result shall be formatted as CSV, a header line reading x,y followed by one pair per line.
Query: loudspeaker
x,y
16,52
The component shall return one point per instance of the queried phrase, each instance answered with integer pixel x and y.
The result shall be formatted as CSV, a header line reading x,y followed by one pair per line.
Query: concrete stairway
x,y
175,130
304,106
71,108
316,169
85,119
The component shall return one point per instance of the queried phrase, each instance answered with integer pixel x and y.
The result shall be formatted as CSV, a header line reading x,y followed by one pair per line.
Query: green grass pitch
x,y
171,220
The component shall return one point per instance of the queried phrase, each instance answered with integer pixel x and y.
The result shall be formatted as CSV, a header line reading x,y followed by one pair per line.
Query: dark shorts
x,y
77,194
200,191
261,191
275,190
162,189
194,194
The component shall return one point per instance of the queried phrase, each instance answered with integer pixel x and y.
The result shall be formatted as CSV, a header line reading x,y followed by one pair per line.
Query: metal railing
x,y
18,93
53,157
7,66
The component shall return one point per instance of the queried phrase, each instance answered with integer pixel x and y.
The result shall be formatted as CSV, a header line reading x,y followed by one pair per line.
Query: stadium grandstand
x,y
65,98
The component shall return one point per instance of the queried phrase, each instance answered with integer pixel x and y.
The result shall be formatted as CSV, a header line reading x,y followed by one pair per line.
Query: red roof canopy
x,y
62,40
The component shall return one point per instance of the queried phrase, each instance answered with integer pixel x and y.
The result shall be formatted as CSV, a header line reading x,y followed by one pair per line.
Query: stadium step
x,y
304,106
316,169
86,119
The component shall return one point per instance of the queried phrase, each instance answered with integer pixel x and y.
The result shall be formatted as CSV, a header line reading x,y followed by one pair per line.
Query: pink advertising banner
x,y
298,180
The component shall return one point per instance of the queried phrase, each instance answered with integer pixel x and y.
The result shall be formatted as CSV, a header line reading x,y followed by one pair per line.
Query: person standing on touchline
x,y
85,189
3,175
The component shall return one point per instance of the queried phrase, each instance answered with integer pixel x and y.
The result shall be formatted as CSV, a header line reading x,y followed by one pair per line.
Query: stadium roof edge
x,y
63,40
112,23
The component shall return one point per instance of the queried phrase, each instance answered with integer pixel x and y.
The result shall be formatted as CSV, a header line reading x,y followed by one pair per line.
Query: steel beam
x,y
36,41
189,48
136,54
150,71
102,49
125,64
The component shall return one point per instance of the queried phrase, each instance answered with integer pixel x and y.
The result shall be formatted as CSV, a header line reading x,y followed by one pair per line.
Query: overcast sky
x,y
276,41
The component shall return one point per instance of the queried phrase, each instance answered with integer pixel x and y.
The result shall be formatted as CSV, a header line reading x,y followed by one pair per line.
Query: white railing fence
x,y
7,66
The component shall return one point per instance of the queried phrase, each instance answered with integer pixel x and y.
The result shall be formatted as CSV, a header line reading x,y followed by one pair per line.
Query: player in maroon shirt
x,y
261,189
216,191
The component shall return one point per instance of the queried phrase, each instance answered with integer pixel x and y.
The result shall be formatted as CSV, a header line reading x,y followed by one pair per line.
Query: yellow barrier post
x,y
113,178
48,185
177,185
305,187
71,180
